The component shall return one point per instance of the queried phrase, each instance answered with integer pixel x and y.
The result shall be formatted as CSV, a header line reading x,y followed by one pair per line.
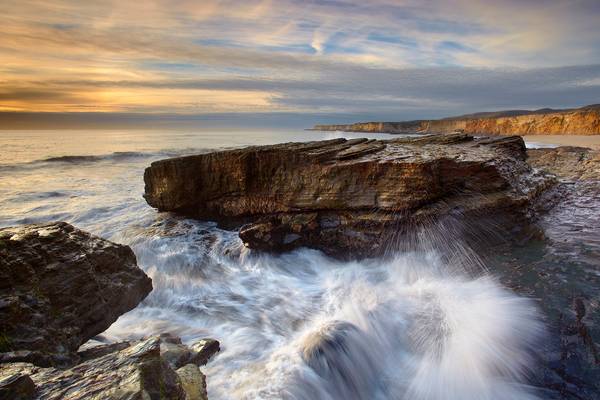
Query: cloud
x,y
386,58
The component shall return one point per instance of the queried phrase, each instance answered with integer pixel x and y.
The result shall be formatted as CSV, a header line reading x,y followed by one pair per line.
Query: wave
x,y
117,156
301,326
78,159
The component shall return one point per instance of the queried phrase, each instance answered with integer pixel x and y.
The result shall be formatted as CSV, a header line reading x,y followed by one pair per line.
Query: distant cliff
x,y
579,121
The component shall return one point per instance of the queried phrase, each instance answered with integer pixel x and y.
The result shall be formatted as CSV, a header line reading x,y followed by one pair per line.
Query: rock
x,y
178,355
204,349
348,197
101,350
569,163
578,121
17,386
59,287
193,382
333,352
137,372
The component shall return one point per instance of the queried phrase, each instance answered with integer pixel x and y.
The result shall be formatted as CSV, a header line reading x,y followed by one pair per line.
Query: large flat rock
x,y
59,287
346,196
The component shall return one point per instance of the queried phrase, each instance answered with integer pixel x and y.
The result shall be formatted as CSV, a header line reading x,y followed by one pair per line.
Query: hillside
x,y
577,121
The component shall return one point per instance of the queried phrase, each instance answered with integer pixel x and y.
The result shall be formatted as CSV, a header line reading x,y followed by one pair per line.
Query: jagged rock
x,y
578,121
346,196
59,287
17,386
178,355
193,382
204,349
570,163
137,372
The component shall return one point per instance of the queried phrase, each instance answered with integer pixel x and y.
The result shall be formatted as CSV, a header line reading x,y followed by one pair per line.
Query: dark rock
x,y
17,386
59,287
178,355
346,197
204,349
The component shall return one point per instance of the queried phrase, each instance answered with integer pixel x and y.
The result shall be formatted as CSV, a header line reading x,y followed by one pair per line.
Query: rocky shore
x,y
59,288
567,162
349,198
579,121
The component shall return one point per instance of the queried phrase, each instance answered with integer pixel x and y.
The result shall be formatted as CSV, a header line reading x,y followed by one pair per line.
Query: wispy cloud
x,y
383,58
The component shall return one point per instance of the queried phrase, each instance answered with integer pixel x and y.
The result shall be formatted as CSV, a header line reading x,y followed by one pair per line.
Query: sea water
x,y
300,325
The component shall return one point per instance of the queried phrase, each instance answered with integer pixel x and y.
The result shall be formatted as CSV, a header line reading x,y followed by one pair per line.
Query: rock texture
x,y
580,121
570,163
346,197
137,370
59,287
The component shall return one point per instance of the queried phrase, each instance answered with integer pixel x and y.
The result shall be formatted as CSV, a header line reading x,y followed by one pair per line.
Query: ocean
x,y
413,326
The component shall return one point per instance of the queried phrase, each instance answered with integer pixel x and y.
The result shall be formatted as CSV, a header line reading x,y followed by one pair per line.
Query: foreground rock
x,y
59,287
578,121
348,197
137,371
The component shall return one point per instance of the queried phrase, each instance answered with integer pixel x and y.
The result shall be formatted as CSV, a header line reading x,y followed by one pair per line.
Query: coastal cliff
x,y
580,121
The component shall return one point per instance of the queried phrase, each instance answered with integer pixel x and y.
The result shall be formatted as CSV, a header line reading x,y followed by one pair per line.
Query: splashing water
x,y
426,323
304,326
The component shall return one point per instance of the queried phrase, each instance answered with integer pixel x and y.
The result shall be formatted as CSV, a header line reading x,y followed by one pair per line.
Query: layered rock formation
x,y
347,197
140,370
59,287
580,121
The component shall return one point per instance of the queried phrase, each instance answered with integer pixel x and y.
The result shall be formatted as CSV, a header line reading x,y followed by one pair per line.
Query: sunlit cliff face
x,y
342,56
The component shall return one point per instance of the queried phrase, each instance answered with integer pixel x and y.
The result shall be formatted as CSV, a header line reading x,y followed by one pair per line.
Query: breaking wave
x,y
303,326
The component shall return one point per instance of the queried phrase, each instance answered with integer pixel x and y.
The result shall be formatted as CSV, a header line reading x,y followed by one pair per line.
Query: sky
x,y
302,61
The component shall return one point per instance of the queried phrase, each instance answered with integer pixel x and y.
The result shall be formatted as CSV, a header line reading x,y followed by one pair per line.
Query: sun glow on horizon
x,y
377,57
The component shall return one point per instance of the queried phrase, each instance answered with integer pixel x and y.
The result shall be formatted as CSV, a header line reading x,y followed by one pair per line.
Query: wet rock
x,y
193,382
334,351
137,372
178,355
566,162
17,386
204,349
59,287
346,197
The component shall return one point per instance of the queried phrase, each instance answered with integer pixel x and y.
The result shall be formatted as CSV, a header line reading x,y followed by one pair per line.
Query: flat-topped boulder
x,y
59,287
345,196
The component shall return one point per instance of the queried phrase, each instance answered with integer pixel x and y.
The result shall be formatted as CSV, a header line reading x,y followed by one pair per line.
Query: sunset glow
x,y
380,58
